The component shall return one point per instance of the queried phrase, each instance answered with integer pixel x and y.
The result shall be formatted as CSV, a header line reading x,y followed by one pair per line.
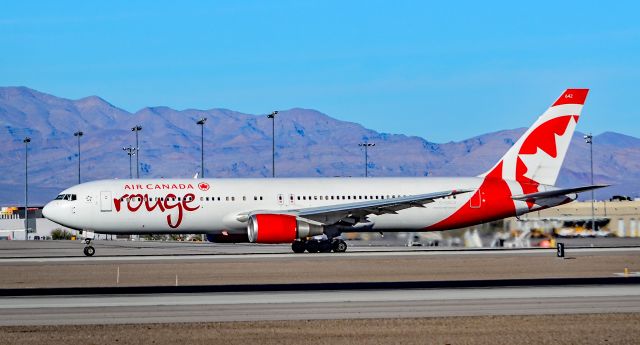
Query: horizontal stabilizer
x,y
557,192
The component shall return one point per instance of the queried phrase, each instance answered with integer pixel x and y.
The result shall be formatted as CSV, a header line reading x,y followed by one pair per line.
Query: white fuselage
x,y
148,205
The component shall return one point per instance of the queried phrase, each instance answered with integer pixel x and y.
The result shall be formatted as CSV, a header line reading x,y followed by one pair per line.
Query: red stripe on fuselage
x,y
496,204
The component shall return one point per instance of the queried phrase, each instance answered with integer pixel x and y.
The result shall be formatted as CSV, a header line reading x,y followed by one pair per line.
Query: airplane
x,y
301,210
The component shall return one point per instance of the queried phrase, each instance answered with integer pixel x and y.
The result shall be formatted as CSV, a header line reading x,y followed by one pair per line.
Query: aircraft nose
x,y
50,210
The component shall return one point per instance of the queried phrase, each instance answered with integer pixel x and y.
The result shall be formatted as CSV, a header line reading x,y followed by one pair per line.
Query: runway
x,y
349,304
181,292
244,264
72,250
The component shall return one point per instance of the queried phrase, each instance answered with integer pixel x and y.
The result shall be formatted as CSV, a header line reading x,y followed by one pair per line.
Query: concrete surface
x,y
303,305
266,268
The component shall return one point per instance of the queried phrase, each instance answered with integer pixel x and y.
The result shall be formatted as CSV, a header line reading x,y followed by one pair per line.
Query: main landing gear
x,y
88,249
319,246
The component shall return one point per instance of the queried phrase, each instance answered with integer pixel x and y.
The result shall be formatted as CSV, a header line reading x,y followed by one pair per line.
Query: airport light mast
x,y
26,142
201,123
272,116
137,129
589,140
78,134
366,146
131,151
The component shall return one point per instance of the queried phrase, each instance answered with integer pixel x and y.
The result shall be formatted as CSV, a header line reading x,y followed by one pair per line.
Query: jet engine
x,y
279,228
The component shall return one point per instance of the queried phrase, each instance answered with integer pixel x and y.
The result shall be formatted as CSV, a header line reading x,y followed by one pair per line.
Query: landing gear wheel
x,y
89,251
339,246
324,246
298,247
313,246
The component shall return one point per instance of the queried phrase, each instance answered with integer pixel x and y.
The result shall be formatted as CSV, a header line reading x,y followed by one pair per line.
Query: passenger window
x,y
244,198
260,198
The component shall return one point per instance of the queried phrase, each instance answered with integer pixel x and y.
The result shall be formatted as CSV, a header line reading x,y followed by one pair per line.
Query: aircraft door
x,y
105,201
476,199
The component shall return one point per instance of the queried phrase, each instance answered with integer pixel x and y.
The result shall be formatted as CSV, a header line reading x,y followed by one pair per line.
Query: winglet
x,y
572,96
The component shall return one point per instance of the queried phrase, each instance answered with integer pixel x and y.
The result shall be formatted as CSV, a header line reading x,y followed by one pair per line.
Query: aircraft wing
x,y
557,192
354,212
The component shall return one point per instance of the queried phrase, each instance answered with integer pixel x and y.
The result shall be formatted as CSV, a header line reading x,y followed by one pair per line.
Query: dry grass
x,y
542,329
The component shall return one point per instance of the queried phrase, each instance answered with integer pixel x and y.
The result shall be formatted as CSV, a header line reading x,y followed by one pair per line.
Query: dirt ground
x,y
307,269
543,329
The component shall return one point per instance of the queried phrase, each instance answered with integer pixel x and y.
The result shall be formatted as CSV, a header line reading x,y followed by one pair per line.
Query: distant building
x,y
12,224
620,218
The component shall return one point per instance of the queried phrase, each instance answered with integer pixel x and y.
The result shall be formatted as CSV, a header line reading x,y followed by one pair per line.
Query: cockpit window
x,y
70,197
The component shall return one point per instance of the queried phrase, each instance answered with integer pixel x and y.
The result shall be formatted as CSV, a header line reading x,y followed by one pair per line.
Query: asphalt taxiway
x,y
350,304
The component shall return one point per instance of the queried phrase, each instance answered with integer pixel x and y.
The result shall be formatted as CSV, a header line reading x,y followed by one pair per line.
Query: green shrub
x,y
60,234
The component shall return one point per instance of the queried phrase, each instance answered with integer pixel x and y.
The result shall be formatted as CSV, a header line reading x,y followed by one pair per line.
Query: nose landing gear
x,y
88,249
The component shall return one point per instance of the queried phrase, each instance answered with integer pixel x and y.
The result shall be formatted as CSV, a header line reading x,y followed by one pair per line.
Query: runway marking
x,y
250,256
629,274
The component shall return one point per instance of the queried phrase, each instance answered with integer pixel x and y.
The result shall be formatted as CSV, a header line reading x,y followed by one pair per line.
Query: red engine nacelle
x,y
279,228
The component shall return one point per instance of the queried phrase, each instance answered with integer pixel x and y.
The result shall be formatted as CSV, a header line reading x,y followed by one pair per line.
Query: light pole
x,y
26,142
589,140
137,129
78,134
366,146
131,151
201,123
272,116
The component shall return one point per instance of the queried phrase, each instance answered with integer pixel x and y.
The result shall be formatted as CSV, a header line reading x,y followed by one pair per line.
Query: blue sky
x,y
440,70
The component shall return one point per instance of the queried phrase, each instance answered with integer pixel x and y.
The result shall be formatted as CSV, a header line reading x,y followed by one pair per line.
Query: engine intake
x,y
279,228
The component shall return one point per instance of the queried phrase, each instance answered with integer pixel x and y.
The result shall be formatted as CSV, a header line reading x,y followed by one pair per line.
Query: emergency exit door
x,y
476,199
105,201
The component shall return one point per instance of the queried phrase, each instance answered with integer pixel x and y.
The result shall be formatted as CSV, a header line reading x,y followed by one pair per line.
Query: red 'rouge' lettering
x,y
153,207
134,198
116,202
182,205
170,206
188,198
